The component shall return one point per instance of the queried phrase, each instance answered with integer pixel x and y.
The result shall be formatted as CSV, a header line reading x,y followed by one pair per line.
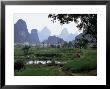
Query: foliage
x,y
33,70
18,65
68,44
25,49
88,21
53,62
53,46
81,43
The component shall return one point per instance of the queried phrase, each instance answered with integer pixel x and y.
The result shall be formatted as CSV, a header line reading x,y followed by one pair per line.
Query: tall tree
x,y
70,44
81,43
26,49
65,45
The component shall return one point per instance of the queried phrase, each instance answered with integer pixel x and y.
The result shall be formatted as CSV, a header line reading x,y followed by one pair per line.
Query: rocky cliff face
x,y
21,34
34,37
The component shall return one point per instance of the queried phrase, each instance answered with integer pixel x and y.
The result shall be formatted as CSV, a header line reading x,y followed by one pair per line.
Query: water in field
x,y
43,62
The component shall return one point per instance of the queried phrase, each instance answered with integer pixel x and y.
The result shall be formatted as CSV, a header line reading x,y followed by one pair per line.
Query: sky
x,y
39,21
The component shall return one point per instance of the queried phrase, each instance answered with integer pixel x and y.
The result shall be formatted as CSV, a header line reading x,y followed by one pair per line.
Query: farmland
x,y
63,62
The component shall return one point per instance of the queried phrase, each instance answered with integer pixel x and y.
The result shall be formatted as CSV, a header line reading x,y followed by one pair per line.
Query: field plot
x,y
57,62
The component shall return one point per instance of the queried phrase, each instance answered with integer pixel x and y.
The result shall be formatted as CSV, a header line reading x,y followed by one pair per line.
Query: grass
x,y
49,53
33,70
87,62
83,65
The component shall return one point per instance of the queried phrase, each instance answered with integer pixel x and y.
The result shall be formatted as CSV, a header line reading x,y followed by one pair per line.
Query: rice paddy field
x,y
56,62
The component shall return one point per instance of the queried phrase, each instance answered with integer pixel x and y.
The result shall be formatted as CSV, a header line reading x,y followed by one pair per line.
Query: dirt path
x,y
90,73
61,72
75,74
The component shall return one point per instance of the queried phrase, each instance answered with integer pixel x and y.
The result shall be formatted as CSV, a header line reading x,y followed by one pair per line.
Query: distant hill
x,y
54,40
66,36
21,35
44,34
70,37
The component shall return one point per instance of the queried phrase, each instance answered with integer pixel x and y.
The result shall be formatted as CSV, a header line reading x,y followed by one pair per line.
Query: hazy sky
x,y
39,21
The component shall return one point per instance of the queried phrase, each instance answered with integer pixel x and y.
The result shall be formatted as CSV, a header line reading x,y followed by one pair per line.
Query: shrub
x,y
53,62
18,65
26,49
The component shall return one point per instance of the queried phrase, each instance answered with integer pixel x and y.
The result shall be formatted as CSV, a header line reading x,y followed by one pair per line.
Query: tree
x,y
65,45
53,46
25,49
43,44
53,62
70,44
88,22
81,43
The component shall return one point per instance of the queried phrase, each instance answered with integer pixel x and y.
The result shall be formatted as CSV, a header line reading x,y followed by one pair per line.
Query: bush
x,y
26,49
53,62
18,65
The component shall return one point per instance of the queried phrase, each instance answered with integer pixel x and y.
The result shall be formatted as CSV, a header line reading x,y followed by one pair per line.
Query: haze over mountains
x,y
22,35
66,36
44,34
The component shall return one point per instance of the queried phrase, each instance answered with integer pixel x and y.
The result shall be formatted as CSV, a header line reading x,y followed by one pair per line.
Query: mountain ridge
x,y
21,34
